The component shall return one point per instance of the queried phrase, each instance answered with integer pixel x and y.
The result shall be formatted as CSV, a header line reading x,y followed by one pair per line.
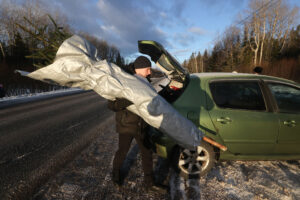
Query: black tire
x,y
193,164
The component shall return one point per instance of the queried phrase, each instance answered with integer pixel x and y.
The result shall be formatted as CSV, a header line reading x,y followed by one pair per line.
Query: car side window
x,y
238,95
287,97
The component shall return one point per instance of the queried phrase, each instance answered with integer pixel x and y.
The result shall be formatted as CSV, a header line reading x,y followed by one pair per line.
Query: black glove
x,y
119,104
123,103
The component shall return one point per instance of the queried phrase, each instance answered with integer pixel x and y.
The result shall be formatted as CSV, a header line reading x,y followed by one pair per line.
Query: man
x,y
2,91
257,70
130,126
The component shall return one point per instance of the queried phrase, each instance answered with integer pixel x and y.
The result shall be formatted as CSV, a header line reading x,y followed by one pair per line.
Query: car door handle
x,y
291,123
224,120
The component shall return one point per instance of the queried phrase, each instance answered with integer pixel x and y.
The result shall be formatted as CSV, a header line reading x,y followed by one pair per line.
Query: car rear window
x,y
287,97
237,95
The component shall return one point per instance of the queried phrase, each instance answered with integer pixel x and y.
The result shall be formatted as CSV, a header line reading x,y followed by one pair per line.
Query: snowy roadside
x,y
13,100
253,180
89,177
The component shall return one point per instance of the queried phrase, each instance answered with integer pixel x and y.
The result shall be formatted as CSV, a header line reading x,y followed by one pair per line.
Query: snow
x,y
13,100
88,176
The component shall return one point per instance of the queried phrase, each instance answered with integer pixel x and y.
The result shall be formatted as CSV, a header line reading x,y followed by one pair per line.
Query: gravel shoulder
x,y
89,177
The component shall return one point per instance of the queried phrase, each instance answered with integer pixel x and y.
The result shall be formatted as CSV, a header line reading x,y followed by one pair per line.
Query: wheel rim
x,y
193,162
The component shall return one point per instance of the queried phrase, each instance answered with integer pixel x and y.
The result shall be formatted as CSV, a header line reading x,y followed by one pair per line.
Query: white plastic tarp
x,y
77,65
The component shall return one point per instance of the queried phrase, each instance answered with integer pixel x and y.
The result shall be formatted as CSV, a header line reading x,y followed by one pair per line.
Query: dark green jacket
x,y
126,122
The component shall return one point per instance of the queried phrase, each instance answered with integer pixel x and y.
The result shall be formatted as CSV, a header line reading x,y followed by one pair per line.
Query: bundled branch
x,y
49,37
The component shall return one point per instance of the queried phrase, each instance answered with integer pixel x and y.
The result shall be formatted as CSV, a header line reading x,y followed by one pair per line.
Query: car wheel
x,y
194,164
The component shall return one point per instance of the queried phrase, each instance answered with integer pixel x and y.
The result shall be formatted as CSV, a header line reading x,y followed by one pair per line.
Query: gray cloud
x,y
197,30
121,23
213,3
221,6
184,39
180,52
172,15
81,16
124,23
177,7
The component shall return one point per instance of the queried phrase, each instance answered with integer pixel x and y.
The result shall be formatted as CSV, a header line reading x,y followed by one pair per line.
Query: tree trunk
x,y
262,42
196,65
2,51
255,56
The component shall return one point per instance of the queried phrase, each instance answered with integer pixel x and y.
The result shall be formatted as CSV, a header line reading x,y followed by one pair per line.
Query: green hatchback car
x,y
256,117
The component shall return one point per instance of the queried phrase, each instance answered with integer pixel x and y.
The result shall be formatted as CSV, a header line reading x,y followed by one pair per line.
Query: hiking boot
x,y
162,189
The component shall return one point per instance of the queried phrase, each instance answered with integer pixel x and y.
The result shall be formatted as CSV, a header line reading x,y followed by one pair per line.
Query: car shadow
x,y
200,103
293,176
189,105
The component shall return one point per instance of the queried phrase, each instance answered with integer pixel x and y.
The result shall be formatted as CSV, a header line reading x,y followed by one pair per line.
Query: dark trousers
x,y
124,145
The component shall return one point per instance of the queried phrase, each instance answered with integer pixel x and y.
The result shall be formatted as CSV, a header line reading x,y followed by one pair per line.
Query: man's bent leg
x,y
147,162
120,155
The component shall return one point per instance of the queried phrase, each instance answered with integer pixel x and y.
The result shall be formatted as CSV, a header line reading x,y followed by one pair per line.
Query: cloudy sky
x,y
182,26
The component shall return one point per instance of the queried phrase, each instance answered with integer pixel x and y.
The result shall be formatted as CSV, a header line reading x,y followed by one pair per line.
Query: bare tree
x,y
280,19
231,45
263,16
269,20
257,27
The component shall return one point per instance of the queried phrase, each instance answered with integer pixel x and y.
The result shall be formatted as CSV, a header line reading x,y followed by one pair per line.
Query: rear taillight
x,y
174,88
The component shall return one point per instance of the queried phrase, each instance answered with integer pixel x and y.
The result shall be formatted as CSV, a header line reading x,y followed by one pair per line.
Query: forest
x,y
29,39
267,36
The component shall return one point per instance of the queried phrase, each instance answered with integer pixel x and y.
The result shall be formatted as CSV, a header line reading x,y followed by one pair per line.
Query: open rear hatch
x,y
177,75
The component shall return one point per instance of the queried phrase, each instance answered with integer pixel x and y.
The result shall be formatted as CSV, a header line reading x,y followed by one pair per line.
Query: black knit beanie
x,y
142,62
258,69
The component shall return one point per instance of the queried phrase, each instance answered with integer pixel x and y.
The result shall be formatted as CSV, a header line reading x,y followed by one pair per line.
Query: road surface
x,y
39,138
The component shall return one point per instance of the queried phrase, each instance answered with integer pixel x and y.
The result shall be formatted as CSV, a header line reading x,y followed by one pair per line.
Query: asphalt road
x,y
38,138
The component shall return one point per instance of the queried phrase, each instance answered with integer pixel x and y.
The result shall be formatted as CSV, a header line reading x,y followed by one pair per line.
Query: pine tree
x,y
205,59
19,50
246,54
49,37
293,49
198,64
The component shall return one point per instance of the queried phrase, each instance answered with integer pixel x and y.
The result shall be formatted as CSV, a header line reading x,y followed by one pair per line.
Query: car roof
x,y
220,75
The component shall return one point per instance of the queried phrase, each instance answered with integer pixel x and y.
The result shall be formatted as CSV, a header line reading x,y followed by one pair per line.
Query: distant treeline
x,y
29,38
264,38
